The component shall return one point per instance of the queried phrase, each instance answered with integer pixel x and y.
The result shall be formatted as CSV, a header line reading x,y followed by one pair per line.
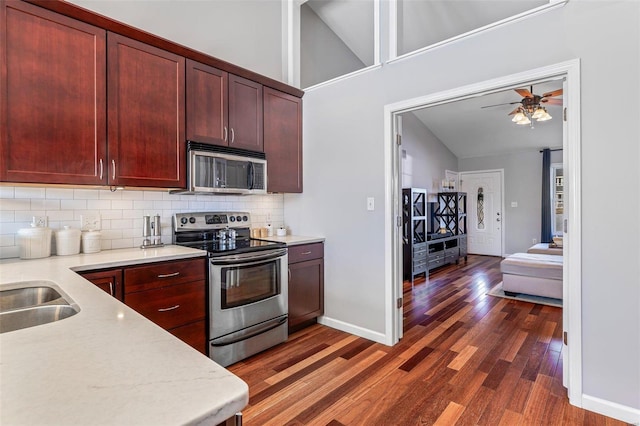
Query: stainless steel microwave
x,y
212,169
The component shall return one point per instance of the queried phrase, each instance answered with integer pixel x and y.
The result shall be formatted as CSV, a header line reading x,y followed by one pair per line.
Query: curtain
x,y
545,236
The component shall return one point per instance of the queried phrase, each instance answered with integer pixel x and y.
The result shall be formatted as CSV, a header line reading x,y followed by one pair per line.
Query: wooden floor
x,y
466,358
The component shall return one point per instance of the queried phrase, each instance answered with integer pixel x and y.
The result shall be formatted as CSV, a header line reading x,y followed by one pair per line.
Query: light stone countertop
x,y
294,240
107,364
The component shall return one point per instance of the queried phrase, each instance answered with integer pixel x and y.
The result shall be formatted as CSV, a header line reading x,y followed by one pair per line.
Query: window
x,y
337,37
421,24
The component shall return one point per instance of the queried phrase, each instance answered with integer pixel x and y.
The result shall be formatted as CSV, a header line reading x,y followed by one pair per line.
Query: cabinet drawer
x,y
172,306
158,275
193,334
434,263
306,252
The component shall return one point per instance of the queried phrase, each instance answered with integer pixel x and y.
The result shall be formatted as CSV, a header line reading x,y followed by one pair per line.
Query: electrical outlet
x,y
90,222
534,241
40,221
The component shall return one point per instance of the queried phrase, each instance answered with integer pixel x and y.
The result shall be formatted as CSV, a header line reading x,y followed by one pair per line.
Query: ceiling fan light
x,y
518,117
524,121
540,112
546,116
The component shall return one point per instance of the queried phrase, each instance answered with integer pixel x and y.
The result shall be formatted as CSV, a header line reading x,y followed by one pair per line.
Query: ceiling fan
x,y
532,106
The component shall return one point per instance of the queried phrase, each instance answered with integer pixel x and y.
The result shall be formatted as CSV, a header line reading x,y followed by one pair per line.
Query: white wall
x,y
522,184
247,33
121,211
344,164
424,156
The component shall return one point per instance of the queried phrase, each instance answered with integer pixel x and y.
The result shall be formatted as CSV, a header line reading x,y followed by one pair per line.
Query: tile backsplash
x,y
121,211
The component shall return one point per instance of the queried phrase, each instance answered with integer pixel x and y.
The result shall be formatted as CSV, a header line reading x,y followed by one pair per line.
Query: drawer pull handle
x,y
175,274
304,253
168,309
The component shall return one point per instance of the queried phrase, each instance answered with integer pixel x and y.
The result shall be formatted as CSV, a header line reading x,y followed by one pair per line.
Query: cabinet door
x,y
245,114
283,141
306,291
53,97
109,280
207,109
146,115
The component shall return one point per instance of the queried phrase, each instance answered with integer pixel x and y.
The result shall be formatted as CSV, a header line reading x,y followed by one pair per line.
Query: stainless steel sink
x,y
25,297
31,303
36,315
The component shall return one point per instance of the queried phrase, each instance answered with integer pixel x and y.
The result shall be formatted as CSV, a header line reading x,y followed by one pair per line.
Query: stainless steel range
x,y
247,283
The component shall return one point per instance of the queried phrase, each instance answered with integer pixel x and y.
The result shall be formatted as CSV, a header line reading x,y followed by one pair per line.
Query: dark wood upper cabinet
x,y
283,141
207,110
245,114
52,97
146,107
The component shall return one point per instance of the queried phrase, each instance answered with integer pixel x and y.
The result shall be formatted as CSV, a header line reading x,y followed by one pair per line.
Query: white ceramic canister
x,y
91,242
34,242
281,232
67,241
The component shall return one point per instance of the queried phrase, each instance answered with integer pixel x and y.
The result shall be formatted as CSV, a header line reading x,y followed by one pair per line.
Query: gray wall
x,y
344,163
247,33
522,184
323,55
344,144
425,158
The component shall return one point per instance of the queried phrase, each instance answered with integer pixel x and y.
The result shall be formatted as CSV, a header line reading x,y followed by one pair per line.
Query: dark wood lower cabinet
x,y
171,294
193,334
109,280
306,285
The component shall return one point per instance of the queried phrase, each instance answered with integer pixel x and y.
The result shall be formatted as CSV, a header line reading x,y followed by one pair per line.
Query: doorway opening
x,y
572,323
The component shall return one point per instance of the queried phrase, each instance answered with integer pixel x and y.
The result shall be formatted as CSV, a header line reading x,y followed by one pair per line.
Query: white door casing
x,y
484,211
572,272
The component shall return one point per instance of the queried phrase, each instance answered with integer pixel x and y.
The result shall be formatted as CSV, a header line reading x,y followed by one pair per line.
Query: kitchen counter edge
x,y
107,360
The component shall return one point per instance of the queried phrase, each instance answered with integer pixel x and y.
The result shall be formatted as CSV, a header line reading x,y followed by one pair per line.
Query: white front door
x,y
484,211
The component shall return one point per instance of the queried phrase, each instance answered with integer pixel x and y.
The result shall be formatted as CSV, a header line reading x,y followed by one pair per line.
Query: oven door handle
x,y
249,332
238,259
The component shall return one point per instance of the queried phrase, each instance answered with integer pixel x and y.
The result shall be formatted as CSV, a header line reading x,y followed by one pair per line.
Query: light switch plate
x,y
370,204
514,204
90,222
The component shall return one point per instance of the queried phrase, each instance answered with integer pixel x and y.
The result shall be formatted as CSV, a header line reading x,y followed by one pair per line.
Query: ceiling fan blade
x,y
552,94
552,101
524,93
514,111
507,103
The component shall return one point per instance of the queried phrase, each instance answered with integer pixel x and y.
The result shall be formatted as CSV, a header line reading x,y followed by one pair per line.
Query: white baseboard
x,y
353,329
611,409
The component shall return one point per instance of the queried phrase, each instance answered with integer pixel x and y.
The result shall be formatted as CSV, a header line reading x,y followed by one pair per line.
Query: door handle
x,y
113,163
101,169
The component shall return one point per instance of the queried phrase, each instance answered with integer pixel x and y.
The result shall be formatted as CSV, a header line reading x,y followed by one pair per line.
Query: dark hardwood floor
x,y
465,359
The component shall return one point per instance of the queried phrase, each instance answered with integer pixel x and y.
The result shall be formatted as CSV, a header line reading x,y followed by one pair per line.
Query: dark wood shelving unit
x,y
451,215
414,232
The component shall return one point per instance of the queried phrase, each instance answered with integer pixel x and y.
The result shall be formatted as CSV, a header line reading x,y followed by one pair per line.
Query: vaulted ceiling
x,y
467,129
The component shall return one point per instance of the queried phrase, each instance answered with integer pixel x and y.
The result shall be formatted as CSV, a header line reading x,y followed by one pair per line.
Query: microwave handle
x,y
251,178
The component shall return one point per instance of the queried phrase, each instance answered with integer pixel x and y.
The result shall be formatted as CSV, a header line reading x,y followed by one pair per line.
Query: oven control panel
x,y
210,220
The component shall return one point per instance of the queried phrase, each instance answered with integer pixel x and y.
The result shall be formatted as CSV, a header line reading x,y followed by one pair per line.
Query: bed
x,y
532,273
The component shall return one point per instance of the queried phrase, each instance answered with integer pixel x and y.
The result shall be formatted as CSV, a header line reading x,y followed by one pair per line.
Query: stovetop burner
x,y
202,231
